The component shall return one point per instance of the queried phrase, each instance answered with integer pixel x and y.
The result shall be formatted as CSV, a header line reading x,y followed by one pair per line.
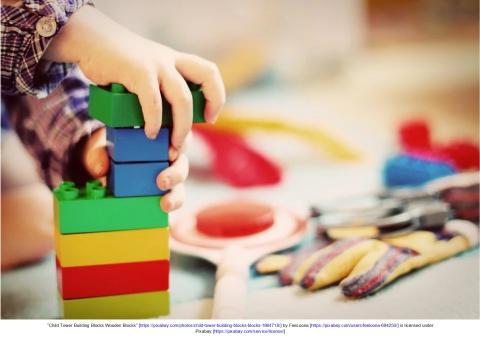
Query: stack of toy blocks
x,y
111,243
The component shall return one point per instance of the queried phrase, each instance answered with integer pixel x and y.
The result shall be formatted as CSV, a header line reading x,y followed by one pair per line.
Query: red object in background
x,y
414,138
464,155
234,219
235,162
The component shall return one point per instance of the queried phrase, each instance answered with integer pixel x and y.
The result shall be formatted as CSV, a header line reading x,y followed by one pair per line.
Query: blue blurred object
x,y
406,170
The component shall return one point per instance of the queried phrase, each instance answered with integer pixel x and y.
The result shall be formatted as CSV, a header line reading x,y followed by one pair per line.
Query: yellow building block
x,y
112,247
130,306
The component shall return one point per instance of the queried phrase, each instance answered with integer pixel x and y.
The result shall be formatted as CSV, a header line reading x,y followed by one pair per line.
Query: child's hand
x,y
95,160
108,53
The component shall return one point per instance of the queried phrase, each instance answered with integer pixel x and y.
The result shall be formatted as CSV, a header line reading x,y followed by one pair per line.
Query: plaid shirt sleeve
x,y
52,121
54,129
26,32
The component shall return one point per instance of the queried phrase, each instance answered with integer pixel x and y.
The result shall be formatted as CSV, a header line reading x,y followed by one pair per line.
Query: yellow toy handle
x,y
332,146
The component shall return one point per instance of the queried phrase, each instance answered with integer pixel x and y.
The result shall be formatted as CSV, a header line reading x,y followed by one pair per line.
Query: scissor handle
x,y
230,295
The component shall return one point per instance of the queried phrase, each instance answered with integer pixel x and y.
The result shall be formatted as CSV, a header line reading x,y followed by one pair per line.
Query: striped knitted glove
x,y
403,254
363,266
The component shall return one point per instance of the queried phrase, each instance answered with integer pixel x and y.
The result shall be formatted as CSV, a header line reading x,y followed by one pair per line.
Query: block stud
x,y
67,191
94,189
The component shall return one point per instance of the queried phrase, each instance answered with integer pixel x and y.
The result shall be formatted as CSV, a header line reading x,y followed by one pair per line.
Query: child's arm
x,y
28,27
46,101
107,52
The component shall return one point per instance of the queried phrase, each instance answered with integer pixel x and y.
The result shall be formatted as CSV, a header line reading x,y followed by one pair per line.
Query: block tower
x,y
111,244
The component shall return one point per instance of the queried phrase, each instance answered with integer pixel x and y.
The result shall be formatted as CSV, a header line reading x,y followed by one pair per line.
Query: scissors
x,y
401,211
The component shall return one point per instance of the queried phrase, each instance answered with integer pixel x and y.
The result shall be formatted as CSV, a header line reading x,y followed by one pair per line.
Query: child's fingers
x,y
150,99
173,153
97,163
177,93
174,174
95,155
206,73
174,199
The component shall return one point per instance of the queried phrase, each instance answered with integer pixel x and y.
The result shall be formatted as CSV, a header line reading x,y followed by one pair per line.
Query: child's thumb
x,y
97,162
95,155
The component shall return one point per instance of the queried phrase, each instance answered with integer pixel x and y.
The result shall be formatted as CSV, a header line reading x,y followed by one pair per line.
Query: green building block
x,y
116,107
92,210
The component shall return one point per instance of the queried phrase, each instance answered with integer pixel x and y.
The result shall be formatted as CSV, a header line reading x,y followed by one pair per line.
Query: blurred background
x,y
353,70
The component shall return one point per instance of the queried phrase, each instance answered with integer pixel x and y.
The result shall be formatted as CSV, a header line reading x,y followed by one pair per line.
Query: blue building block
x,y
131,145
135,179
406,170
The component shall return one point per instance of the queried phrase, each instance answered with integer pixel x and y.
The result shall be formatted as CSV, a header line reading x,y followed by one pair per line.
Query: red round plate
x,y
234,219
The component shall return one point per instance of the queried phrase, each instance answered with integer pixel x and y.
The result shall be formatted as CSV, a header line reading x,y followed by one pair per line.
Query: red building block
x,y
112,279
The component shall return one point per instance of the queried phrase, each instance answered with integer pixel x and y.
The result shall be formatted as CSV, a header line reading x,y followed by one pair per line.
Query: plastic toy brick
x,y
129,306
135,179
131,145
112,279
110,247
92,210
116,107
